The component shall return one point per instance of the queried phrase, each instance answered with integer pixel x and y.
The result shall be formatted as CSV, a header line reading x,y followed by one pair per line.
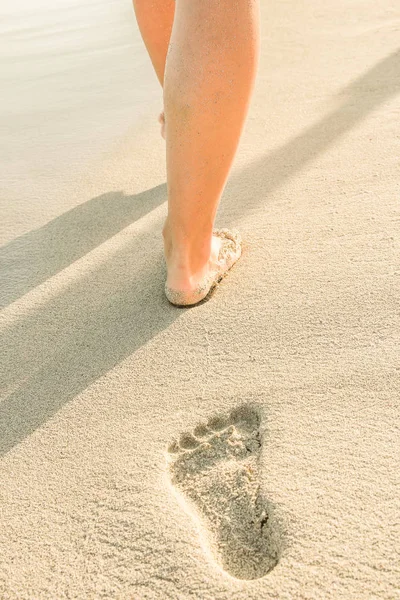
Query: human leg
x,y
209,77
155,21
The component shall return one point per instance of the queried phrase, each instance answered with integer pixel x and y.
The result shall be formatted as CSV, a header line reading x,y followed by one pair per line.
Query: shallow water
x,y
74,77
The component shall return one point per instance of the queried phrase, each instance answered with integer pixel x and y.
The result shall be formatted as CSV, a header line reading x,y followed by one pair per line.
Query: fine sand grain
x,y
298,499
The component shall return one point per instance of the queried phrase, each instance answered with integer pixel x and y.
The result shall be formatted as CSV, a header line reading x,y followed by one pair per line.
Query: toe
x,y
201,430
217,423
188,441
173,447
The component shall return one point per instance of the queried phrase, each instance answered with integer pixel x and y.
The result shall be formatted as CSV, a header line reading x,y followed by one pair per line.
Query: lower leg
x,y
209,76
155,20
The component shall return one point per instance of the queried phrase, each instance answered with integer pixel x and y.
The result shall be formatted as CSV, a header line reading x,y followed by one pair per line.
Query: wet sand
x,y
102,374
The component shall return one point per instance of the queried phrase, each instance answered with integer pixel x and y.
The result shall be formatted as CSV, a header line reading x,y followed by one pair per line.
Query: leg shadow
x,y
78,335
31,259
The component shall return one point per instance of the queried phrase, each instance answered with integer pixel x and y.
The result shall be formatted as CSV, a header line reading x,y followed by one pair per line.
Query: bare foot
x,y
189,282
161,120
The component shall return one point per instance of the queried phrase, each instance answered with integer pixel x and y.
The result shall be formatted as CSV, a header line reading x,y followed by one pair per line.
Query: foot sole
x,y
230,252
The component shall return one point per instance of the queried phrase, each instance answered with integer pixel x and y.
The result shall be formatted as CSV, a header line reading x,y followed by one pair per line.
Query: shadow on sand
x,y
96,322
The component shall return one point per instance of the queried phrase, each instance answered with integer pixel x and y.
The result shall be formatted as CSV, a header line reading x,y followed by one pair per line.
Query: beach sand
x,y
301,339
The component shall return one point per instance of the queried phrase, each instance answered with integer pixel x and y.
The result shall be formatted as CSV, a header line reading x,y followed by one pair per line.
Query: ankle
x,y
188,254
188,259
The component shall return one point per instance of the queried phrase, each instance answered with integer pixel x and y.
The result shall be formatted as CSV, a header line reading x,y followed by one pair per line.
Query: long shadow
x,y
98,321
357,100
31,259
80,334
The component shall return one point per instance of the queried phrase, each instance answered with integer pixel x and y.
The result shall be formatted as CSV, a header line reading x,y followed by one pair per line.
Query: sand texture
x,y
247,448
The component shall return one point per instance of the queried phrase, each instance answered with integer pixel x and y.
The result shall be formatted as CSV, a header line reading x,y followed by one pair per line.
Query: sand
x,y
101,373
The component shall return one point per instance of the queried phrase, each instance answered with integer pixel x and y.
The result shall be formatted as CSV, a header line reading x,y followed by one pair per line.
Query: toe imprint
x,y
215,470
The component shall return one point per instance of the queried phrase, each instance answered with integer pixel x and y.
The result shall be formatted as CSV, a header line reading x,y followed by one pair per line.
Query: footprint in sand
x,y
215,471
